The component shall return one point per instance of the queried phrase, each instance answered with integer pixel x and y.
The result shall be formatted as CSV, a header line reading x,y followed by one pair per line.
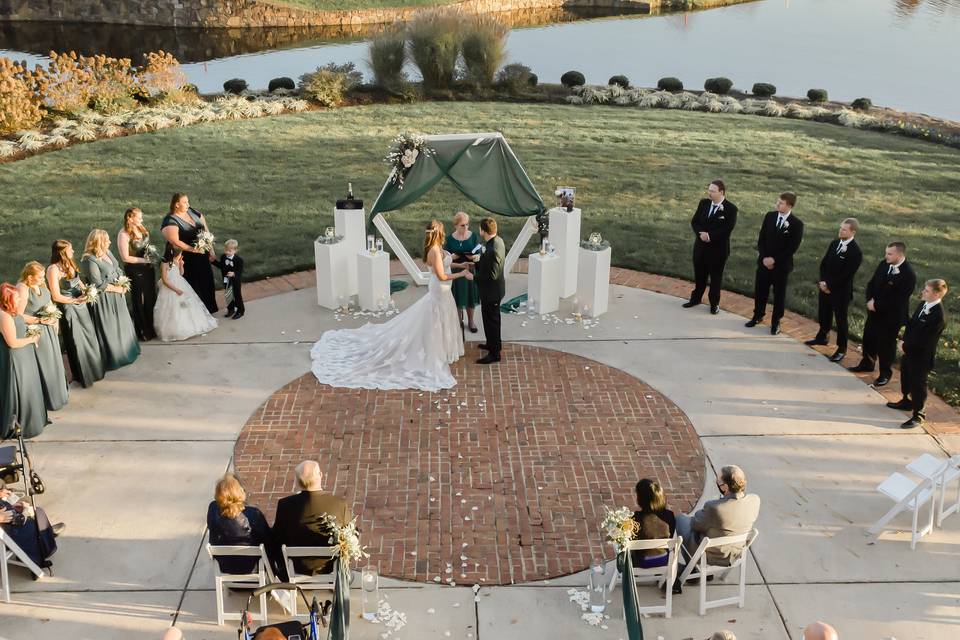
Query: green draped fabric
x,y
482,167
340,612
630,613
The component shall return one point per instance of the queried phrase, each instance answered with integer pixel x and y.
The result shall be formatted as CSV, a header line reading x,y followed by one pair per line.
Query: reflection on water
x,y
907,8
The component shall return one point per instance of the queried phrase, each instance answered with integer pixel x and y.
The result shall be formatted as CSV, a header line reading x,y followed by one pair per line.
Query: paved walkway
x,y
131,463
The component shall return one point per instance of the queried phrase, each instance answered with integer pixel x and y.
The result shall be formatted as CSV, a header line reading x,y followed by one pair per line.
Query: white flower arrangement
x,y
123,282
619,526
50,311
204,241
403,154
347,538
90,294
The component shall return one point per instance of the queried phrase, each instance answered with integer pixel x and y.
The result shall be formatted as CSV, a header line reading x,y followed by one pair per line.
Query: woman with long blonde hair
x,y
21,396
133,241
36,307
100,269
414,350
231,522
76,326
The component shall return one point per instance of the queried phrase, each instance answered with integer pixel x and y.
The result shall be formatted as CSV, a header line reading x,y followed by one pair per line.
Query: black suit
x,y
837,269
709,258
780,244
890,293
235,264
491,286
920,340
299,523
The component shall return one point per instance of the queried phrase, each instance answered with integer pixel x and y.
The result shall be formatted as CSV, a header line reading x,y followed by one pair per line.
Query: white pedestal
x,y
373,279
543,283
593,282
331,261
565,236
352,225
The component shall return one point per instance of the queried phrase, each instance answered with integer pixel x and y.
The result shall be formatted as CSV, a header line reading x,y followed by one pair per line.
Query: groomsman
x,y
919,347
837,269
780,236
712,223
888,307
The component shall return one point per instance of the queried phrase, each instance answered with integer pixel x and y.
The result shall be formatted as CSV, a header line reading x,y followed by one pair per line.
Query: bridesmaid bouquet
x,y
90,294
619,526
151,253
204,241
123,282
50,311
347,540
34,330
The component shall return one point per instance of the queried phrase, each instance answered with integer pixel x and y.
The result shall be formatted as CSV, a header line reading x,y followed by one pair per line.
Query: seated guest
x,y
21,523
231,522
820,631
172,633
300,519
654,522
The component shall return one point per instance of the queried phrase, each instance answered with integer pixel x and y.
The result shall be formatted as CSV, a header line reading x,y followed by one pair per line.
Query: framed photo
x,y
565,197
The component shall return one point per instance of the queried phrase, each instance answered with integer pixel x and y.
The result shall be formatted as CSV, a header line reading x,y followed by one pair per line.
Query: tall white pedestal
x,y
373,279
543,283
593,282
352,225
331,261
565,236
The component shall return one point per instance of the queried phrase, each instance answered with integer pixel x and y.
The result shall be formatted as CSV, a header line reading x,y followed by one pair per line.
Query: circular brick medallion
x,y
501,480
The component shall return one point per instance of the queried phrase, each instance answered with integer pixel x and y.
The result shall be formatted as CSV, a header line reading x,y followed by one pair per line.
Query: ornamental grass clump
x,y
328,85
72,83
484,48
161,76
434,39
388,56
20,104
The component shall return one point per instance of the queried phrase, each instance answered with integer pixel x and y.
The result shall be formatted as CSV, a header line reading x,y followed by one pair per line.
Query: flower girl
x,y
179,313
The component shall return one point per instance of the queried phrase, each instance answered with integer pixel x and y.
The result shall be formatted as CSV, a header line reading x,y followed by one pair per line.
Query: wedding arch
x,y
483,167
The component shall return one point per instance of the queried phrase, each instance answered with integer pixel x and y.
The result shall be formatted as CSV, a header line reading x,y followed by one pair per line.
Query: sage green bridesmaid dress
x,y
53,378
21,394
80,335
115,330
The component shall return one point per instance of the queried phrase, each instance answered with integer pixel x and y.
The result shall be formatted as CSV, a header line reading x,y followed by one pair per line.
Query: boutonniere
x,y
786,224
895,271
720,207
843,248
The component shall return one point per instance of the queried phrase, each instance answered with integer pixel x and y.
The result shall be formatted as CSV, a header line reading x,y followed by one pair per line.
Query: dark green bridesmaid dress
x,y
49,359
80,336
118,338
21,394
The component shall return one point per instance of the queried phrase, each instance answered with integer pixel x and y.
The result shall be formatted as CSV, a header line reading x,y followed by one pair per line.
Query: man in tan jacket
x,y
734,513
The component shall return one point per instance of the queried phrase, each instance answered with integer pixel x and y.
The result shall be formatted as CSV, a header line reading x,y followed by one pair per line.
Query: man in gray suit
x,y
488,274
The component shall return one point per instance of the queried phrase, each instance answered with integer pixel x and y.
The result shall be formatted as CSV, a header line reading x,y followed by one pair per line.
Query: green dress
x,y
118,338
80,336
21,395
464,291
49,359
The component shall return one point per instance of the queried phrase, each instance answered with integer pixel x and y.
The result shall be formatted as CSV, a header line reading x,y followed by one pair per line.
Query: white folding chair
x,y
309,582
666,574
11,553
252,580
911,495
943,473
698,567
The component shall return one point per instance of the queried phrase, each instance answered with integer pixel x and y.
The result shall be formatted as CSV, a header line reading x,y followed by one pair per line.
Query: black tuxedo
x,y
890,293
234,264
837,269
920,340
299,523
779,243
491,286
709,258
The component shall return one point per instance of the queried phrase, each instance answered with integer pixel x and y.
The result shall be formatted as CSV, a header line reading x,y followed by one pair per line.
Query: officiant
x,y
462,244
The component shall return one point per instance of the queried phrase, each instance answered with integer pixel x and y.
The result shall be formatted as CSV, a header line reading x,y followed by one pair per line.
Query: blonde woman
x,y
99,268
462,244
231,522
34,300
76,326
132,242
411,351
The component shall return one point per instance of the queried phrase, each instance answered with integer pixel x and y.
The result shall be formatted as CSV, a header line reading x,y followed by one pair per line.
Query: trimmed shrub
x,y
281,83
434,41
763,89
719,86
484,48
862,104
573,79
235,86
516,77
620,81
817,95
388,55
669,84
328,84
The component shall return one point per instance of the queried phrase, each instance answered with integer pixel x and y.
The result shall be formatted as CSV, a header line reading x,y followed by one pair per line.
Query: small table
x,y
565,236
373,280
331,261
593,281
352,225
543,283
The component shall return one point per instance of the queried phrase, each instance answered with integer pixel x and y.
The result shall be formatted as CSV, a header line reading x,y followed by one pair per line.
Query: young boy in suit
x,y
231,270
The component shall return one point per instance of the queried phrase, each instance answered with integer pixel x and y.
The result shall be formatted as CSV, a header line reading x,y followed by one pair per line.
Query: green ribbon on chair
x,y
630,612
340,612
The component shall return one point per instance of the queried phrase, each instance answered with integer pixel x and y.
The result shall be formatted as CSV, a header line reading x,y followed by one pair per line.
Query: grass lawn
x,y
271,183
349,5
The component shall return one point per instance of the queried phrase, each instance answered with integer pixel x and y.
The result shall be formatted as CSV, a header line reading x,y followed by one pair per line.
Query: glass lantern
x,y
370,593
599,582
371,247
329,232
379,245
595,239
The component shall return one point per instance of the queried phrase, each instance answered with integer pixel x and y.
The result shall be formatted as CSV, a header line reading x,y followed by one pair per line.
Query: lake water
x,y
899,53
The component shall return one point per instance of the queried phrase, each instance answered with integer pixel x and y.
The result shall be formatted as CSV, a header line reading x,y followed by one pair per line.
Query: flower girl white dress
x,y
178,317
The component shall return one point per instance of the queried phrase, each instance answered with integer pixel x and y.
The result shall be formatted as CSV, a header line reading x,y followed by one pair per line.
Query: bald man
x,y
820,631
173,634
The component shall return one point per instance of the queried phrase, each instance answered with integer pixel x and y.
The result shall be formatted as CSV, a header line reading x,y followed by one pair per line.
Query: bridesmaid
x,y
118,338
21,398
180,227
461,243
132,242
34,297
76,326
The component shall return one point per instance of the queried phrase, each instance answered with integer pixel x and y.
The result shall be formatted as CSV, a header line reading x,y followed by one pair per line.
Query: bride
x,y
413,350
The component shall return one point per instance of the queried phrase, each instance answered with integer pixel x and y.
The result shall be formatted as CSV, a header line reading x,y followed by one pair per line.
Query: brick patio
x,y
501,480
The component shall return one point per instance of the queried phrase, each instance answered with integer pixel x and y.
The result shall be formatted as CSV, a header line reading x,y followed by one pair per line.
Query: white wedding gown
x,y
411,351
180,317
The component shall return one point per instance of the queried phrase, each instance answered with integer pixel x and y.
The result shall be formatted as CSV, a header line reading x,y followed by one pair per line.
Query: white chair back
x,y
253,580
11,553
908,495
663,575
309,582
699,567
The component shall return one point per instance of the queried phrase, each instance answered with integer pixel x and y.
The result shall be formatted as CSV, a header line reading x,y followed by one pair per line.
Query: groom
x,y
488,274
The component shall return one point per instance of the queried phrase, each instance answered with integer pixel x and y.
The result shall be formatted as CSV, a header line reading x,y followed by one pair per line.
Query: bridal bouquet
x,y
90,294
619,526
346,538
123,282
50,311
403,153
204,241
